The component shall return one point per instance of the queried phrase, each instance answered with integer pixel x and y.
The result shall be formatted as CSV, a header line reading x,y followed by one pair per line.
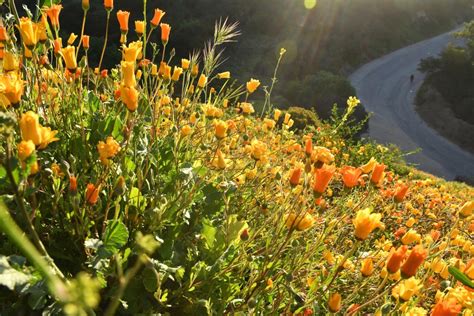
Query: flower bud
x,y
85,5
165,32
92,194
334,302
155,21
108,4
122,17
72,185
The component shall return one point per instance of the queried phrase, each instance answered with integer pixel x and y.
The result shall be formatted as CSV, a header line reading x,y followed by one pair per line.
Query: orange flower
x,y
85,5
300,222
165,32
69,55
30,127
128,73
185,63
252,85
92,194
469,269
47,136
133,51
57,45
220,129
25,149
53,14
186,130
202,81
219,160
194,70
224,75
401,192
157,18
308,146
367,267
247,108
108,149
449,307
3,34
378,173
129,96
334,302
85,41
350,176
467,209
295,175
41,30
365,222
109,4
28,31
369,166
435,234
73,185
321,179
395,260
258,150
176,73
139,27
122,17
414,260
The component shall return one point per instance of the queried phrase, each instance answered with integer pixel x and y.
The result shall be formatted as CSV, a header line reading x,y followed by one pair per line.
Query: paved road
x,y
384,88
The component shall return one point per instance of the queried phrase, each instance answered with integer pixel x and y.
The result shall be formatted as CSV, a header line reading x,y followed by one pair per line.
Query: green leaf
x,y
115,237
213,199
147,243
4,183
235,228
461,277
136,199
130,165
150,279
49,2
37,298
10,277
208,233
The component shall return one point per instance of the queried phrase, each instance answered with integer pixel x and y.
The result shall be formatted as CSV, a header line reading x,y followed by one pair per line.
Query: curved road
x,y
384,88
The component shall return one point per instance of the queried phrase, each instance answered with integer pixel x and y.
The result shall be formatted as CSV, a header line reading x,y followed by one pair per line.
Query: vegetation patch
x,y
156,187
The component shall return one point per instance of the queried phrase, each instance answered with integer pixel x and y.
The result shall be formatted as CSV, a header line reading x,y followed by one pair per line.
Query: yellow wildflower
x,y
365,223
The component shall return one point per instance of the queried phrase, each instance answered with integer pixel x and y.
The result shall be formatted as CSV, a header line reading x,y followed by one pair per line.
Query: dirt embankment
x,y
436,111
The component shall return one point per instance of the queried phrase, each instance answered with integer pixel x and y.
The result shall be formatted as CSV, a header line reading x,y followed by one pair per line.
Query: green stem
x,y
111,309
274,79
105,40
82,32
340,266
15,12
17,237
145,39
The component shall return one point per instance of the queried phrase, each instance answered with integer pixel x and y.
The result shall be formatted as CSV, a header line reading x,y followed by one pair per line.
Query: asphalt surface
x,y
384,88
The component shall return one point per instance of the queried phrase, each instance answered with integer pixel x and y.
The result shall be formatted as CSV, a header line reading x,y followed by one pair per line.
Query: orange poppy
x,y
401,193
395,260
92,194
295,175
122,17
322,177
378,173
157,17
414,260
165,32
350,176
53,14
